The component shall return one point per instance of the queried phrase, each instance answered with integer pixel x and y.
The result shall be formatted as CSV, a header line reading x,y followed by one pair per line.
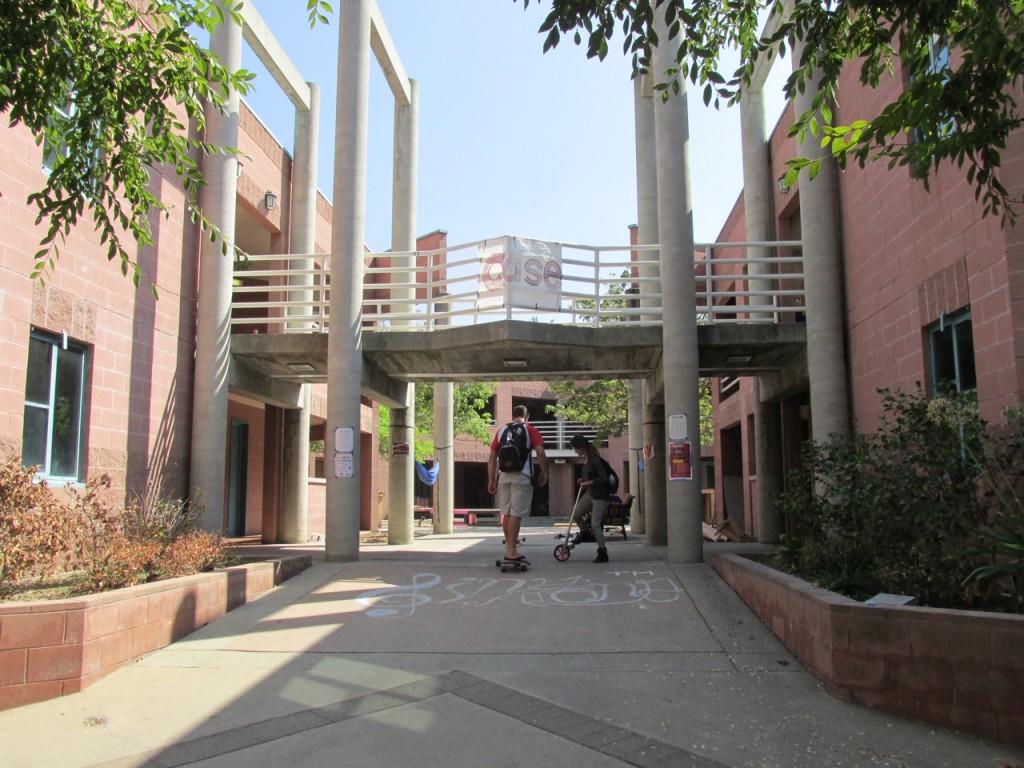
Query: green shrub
x,y
899,510
1002,571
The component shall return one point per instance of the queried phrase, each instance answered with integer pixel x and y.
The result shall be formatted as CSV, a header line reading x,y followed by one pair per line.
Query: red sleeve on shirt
x,y
536,438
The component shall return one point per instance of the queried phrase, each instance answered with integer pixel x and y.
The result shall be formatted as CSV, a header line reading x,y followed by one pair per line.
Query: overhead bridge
x,y
512,309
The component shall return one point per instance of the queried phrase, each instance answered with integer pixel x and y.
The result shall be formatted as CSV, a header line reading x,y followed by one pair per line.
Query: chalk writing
x,y
395,602
624,588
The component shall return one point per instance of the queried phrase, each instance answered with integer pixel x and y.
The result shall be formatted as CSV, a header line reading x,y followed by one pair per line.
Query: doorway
x,y
238,477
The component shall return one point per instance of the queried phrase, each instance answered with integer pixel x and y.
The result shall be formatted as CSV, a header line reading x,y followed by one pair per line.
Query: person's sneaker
x,y
582,537
602,555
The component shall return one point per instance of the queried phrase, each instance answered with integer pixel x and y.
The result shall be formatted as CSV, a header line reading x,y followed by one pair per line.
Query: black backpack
x,y
613,479
514,447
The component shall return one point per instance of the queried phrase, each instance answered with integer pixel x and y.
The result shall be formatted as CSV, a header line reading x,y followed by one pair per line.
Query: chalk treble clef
x,y
399,601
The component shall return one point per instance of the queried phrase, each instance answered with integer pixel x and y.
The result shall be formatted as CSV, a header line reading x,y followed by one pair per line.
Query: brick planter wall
x,y
53,648
958,669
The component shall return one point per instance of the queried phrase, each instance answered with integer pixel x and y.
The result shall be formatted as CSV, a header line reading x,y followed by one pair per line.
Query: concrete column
x,y
680,359
402,467
635,438
401,471
758,220
295,477
646,190
656,524
768,455
757,193
823,285
652,519
345,345
444,449
444,454
303,213
209,452
295,481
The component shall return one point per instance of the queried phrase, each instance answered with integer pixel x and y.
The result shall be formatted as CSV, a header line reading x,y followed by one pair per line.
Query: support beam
x,y
213,352
344,349
681,356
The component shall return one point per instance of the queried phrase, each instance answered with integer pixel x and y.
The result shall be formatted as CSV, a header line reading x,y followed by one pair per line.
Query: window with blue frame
x,y
951,348
54,404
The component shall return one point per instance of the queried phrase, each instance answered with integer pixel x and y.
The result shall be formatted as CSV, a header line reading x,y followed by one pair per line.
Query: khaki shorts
x,y
515,494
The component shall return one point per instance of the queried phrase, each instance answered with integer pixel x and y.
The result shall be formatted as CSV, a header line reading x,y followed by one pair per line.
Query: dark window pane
x,y
33,438
965,356
943,362
67,410
37,378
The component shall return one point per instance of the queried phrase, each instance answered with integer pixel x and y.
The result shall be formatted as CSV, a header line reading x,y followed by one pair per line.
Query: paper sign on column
x,y
343,465
677,427
344,439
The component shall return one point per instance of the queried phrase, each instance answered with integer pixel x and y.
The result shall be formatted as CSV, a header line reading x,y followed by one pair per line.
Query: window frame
x,y
955,323
58,345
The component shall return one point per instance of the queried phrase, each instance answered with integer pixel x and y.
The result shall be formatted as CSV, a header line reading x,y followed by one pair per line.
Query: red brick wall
x,y
54,648
139,405
958,669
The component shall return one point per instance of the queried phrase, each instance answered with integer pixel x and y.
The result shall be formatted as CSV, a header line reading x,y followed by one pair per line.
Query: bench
x,y
617,514
472,516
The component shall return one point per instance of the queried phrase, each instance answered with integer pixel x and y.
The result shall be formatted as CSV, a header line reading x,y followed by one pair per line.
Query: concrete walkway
x,y
426,655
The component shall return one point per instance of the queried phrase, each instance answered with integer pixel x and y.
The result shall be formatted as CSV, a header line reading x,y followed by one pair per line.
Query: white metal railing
x,y
737,282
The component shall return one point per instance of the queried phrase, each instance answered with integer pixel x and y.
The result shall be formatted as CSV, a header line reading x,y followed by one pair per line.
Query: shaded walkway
x,y
426,655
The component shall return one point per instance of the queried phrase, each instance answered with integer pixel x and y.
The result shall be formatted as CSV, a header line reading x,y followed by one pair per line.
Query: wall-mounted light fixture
x,y
302,367
515,363
238,169
783,186
270,200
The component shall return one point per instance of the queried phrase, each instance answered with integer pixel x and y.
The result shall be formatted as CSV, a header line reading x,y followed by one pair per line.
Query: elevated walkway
x,y
431,317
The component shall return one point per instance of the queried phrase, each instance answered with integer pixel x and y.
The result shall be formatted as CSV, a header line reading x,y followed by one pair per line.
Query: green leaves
x,y
110,89
962,113
318,12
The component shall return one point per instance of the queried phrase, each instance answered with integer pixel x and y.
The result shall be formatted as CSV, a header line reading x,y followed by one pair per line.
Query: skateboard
x,y
516,566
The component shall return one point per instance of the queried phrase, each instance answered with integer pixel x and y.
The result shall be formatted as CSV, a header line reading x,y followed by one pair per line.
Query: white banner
x,y
518,272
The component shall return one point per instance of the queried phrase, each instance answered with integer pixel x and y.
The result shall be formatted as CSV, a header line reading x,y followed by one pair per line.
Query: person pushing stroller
x,y
595,502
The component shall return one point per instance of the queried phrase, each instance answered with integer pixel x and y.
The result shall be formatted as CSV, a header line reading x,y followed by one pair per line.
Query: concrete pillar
x,y
402,466
758,220
444,455
823,285
345,346
769,458
680,359
209,451
303,213
295,480
757,194
652,519
635,439
656,523
295,477
401,470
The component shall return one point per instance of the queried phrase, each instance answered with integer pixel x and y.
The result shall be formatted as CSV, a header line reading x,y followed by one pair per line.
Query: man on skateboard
x,y
510,475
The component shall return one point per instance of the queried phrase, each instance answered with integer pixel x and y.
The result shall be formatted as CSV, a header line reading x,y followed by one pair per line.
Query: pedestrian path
x,y
427,655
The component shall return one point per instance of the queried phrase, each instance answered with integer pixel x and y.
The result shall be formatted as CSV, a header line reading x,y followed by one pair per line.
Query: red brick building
x,y
932,292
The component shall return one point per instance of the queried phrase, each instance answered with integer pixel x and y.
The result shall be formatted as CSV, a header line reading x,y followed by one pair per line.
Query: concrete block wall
x,y
54,648
957,669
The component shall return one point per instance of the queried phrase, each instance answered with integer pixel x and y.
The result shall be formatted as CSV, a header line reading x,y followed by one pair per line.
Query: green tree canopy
x,y
120,87
962,112
470,402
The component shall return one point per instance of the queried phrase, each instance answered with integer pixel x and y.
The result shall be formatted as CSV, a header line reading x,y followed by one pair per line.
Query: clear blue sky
x,y
512,141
